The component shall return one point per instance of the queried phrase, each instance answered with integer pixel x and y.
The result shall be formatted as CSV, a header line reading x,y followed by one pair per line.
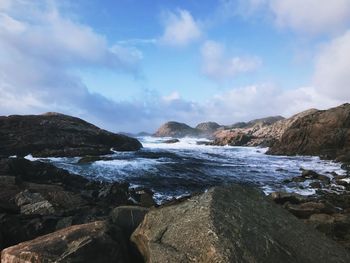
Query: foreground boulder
x,y
93,242
232,224
324,133
58,135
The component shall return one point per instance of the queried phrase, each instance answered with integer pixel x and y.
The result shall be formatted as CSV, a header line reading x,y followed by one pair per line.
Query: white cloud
x,y
172,97
219,65
312,16
332,68
5,4
302,16
180,29
40,51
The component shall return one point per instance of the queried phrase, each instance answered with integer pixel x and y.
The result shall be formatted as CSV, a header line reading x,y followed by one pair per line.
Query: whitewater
x,y
174,170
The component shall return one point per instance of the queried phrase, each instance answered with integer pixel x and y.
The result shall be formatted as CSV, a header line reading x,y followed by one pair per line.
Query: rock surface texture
x,y
261,132
37,198
324,133
58,135
92,242
232,224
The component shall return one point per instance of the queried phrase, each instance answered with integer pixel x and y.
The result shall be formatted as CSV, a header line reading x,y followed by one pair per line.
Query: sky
x,y
131,65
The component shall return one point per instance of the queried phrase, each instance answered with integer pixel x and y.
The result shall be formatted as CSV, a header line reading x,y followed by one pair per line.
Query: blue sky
x,y
131,65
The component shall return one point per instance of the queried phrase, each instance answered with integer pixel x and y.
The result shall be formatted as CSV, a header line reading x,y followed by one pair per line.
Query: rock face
x,y
232,224
324,133
257,122
262,132
91,242
58,135
177,130
232,138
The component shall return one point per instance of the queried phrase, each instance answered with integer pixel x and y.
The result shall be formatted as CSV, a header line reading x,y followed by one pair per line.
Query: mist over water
x,y
172,170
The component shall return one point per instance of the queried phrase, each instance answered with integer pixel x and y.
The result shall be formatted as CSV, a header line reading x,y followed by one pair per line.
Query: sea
x,y
187,167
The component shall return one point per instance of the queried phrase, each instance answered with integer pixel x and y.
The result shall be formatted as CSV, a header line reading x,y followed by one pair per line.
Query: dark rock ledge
x,y
37,199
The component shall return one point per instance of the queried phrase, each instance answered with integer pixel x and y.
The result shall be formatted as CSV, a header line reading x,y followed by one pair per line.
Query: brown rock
x,y
323,133
232,138
82,243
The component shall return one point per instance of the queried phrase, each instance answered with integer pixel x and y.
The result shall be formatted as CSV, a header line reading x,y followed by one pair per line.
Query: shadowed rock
x,y
91,242
58,135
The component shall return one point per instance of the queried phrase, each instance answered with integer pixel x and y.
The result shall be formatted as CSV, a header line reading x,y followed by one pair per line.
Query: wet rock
x,y
309,174
283,197
232,224
81,243
128,218
344,182
204,143
317,185
58,135
172,141
143,197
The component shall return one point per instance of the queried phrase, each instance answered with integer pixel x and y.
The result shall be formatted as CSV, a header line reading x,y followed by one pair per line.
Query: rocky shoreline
x,y
50,215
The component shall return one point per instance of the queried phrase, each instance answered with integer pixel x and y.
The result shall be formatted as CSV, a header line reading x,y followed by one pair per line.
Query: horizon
x,y
128,66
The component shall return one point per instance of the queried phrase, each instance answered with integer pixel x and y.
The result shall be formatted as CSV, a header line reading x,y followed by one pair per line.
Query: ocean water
x,y
174,170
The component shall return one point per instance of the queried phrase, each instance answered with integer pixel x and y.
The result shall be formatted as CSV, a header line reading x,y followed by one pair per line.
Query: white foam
x,y
30,158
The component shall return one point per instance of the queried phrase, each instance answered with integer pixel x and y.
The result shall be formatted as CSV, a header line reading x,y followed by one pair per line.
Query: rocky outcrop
x,y
262,132
37,198
208,128
58,135
232,138
176,130
231,224
92,242
324,133
257,122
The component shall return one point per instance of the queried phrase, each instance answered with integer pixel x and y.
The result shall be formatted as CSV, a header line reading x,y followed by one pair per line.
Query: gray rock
x,y
39,208
232,224
26,197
